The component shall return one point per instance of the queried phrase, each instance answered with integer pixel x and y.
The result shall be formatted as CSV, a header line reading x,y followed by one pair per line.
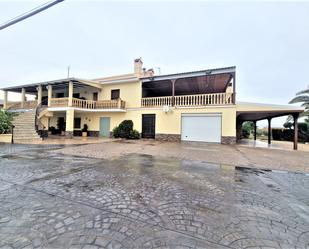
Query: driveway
x,y
228,155
48,200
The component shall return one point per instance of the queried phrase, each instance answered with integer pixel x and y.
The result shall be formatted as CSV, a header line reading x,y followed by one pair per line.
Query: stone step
x,y
26,138
25,134
23,121
24,124
24,131
28,129
21,126
27,141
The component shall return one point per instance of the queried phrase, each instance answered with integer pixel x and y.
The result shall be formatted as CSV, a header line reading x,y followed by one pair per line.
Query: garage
x,y
201,127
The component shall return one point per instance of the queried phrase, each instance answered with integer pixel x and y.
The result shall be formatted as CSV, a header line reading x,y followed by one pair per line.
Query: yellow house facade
x,y
191,106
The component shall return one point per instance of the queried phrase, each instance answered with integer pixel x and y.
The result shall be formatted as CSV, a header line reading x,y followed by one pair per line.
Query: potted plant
x,y
61,126
85,131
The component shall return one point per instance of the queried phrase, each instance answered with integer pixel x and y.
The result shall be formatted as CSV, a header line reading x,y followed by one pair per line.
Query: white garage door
x,y
201,127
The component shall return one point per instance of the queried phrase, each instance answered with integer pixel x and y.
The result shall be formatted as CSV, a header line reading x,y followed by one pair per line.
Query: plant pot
x,y
62,133
84,134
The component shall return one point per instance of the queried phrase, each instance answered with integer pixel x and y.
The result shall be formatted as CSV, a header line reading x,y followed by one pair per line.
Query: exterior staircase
x,y
24,130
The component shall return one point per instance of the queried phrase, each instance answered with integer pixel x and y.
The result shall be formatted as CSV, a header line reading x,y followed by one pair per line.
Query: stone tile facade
x,y
68,134
168,137
228,140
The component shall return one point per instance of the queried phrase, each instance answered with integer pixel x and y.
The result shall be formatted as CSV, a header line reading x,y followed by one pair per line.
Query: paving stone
x,y
141,201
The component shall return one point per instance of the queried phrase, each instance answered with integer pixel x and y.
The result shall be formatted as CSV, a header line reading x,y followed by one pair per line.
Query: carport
x,y
256,112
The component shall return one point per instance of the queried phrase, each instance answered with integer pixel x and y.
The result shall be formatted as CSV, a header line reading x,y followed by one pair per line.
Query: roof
x,y
57,84
222,70
117,79
257,111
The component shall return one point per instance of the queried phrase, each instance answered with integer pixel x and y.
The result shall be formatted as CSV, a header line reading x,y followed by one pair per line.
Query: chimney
x,y
138,67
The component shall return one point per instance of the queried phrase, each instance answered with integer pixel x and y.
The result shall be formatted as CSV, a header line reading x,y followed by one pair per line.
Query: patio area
x,y
280,145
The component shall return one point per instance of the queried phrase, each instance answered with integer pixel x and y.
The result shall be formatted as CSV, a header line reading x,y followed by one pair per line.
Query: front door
x,y
104,127
148,125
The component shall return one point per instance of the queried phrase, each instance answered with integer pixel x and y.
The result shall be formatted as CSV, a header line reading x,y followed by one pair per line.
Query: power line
x,y
29,13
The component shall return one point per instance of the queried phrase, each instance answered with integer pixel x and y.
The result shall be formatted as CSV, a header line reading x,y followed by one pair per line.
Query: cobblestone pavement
x,y
140,201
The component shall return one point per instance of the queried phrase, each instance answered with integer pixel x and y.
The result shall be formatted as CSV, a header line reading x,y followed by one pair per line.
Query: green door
x,y
104,127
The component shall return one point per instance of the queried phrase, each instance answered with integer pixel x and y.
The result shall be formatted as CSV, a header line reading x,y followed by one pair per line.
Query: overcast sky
x,y
268,42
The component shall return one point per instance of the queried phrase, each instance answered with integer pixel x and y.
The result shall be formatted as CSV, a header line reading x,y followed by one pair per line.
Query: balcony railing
x,y
190,100
59,102
78,103
88,104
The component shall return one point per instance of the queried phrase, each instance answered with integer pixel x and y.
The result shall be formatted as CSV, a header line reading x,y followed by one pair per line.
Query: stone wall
x,y
93,133
168,137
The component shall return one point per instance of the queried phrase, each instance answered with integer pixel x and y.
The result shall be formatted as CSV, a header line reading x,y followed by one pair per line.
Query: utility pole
x,y
29,14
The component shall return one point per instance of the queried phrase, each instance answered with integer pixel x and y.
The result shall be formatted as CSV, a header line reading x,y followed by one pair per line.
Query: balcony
x,y
77,103
212,99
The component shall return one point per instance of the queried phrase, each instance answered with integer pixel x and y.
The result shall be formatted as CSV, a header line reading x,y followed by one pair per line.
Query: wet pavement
x,y
48,200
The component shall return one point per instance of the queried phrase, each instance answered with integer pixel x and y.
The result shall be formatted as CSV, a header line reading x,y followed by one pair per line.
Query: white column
x,y
69,123
39,89
49,94
23,97
5,100
70,93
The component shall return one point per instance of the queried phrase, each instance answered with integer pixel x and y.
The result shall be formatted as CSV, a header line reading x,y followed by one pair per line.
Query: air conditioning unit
x,y
166,108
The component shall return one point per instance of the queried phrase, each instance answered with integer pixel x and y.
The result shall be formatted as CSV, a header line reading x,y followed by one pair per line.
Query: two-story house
x,y
190,106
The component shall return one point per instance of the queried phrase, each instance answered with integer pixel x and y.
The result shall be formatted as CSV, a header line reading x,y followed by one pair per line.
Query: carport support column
x,y
69,127
70,93
5,100
39,89
254,123
23,97
49,94
295,117
269,130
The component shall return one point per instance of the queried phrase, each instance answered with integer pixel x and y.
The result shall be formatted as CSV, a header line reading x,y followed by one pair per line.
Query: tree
x,y
6,119
247,129
302,97
288,125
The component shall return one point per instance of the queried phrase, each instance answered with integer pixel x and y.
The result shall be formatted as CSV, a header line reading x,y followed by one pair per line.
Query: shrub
x,y
116,132
6,119
125,130
134,134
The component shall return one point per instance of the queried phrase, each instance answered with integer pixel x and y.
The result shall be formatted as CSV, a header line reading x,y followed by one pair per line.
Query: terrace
x,y
200,88
68,88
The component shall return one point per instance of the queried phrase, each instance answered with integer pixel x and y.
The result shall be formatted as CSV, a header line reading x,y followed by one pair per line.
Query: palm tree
x,y
302,97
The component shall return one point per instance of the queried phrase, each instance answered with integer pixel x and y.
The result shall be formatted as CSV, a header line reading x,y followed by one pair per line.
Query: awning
x,y
196,82
57,84
258,111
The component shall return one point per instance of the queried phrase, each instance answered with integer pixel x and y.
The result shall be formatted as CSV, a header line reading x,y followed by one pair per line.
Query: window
x,y
95,96
115,94
76,95
59,95
77,122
